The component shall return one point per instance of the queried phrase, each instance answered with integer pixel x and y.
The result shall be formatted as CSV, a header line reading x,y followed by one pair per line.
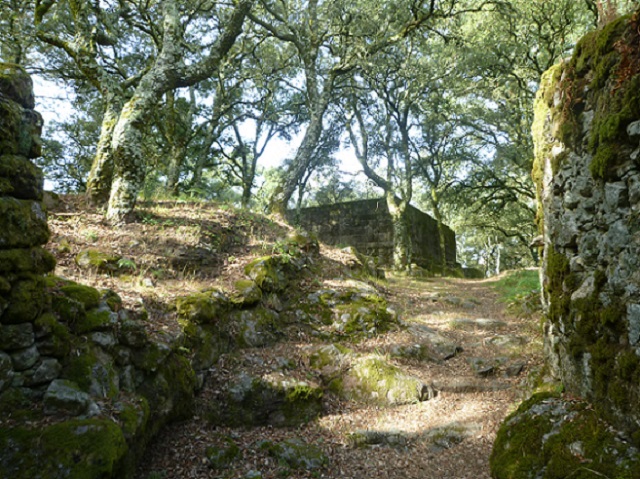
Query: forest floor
x,y
176,249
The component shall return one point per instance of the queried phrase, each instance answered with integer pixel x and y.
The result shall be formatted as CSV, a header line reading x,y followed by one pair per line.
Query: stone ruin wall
x,y
366,225
68,351
587,136
23,231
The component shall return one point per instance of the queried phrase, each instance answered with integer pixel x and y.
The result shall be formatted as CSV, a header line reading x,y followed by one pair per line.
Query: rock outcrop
x,y
587,169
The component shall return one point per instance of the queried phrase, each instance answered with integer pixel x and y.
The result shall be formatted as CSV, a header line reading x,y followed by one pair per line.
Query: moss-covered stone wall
x,y
83,386
587,171
587,136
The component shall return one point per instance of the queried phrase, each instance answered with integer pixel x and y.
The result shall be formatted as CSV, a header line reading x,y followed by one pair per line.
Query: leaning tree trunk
x,y
166,74
101,174
283,193
300,164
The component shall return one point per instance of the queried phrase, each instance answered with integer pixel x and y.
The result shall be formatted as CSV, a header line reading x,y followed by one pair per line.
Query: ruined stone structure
x,y
587,169
67,351
366,225
85,383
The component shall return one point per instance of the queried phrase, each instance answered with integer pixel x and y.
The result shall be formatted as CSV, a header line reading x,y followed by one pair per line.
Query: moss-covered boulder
x,y
552,438
54,338
16,336
297,454
246,293
99,261
205,343
10,126
207,307
303,241
23,179
170,392
415,351
65,397
271,399
80,307
330,362
374,380
86,295
89,448
268,273
151,357
254,328
97,319
93,370
359,315
23,223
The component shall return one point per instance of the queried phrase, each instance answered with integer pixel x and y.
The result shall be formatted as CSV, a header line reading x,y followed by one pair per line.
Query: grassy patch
x,y
516,284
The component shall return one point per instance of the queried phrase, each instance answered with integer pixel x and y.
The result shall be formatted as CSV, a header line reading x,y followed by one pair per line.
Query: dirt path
x,y
484,357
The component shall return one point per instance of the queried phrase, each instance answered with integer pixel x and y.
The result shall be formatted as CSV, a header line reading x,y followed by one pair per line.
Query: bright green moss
x,y
85,368
26,302
366,316
205,308
246,293
133,417
558,273
267,273
113,300
302,403
89,297
374,380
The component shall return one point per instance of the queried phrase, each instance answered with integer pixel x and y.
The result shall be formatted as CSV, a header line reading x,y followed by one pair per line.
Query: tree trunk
x,y
300,164
176,160
101,174
178,134
441,235
130,164
401,233
167,73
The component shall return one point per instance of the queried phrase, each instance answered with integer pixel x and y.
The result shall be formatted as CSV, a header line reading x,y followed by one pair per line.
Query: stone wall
x,y
83,386
587,151
587,135
366,225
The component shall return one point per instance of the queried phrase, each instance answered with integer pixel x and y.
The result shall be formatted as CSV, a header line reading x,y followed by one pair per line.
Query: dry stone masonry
x,y
68,353
367,226
587,169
